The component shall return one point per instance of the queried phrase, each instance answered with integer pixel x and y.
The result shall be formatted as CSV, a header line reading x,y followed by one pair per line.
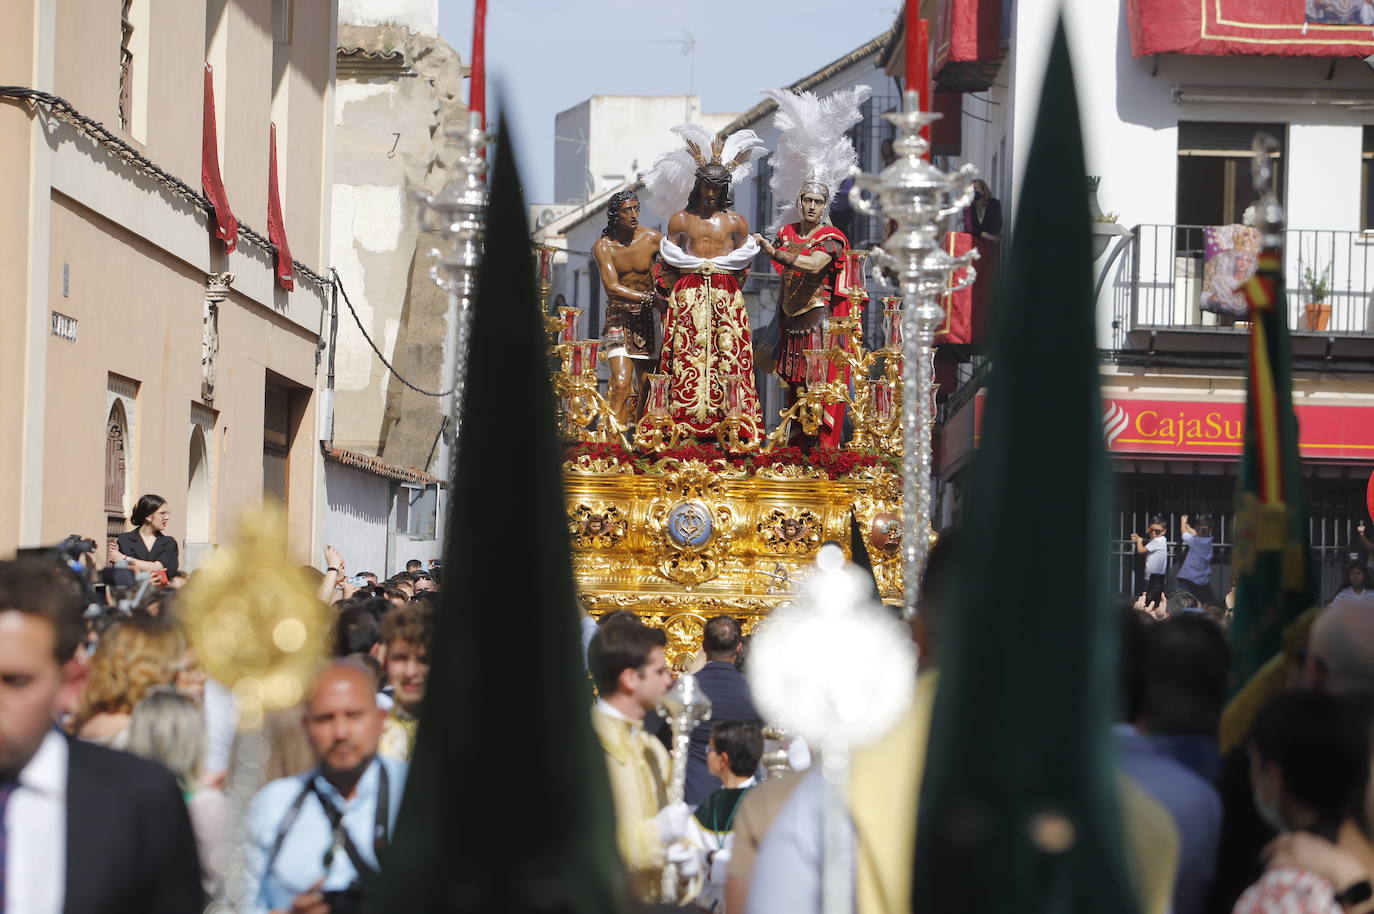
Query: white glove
x,y
720,866
672,822
686,857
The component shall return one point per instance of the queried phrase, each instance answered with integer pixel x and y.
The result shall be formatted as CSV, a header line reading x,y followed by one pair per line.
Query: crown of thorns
x,y
717,149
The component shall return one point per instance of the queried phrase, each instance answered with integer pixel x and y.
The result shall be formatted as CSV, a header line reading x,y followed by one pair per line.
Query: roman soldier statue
x,y
813,157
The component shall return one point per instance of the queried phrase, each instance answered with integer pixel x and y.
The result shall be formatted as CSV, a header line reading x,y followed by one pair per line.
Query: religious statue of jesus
x,y
707,344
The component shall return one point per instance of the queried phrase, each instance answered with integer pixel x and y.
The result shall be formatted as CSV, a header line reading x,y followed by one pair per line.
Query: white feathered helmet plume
x,y
813,154
669,184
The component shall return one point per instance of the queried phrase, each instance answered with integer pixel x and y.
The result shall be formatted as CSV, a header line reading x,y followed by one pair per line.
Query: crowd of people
x,y
115,749
115,746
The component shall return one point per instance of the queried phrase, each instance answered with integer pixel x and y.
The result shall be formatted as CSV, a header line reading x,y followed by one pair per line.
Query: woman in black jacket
x,y
147,547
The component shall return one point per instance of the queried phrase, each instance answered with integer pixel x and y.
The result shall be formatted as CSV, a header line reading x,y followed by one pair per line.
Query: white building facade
x,y
1169,135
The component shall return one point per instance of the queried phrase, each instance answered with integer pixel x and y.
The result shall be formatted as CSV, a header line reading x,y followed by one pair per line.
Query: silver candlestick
x,y
917,196
459,210
686,707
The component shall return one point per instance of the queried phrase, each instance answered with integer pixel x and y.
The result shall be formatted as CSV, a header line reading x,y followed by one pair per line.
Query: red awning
x,y
1261,28
967,44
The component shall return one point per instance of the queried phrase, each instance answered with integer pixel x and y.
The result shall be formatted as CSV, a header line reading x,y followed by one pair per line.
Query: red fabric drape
x,y
226,226
958,324
276,225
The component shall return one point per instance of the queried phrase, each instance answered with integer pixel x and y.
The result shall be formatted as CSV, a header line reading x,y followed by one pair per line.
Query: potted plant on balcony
x,y
1316,313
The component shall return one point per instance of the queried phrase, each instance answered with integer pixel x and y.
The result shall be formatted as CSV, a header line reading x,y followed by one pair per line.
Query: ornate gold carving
x,y
732,568
586,463
795,532
789,471
596,526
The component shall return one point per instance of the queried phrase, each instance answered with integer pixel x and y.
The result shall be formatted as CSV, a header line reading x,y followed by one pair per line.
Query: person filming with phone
x,y
1156,552
320,837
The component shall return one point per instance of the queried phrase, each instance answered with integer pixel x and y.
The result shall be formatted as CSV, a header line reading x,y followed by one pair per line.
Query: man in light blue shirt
x,y
318,838
1196,574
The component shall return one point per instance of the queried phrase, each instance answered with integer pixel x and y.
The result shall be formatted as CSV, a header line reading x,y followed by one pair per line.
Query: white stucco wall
x,y
572,134
623,135
1130,121
419,15
356,517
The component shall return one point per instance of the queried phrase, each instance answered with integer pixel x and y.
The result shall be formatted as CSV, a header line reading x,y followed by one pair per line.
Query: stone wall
x,y
399,93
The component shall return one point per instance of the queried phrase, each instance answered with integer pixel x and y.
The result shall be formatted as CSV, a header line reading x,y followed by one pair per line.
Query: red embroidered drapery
x,y
1261,28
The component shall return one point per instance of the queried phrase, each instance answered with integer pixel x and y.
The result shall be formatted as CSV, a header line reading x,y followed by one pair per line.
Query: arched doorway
x,y
198,490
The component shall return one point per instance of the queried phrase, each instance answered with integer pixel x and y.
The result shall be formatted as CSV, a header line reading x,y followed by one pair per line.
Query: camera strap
x,y
335,817
379,827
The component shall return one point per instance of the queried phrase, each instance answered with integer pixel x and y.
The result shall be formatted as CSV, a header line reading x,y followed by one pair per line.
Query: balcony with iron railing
x,y
1174,286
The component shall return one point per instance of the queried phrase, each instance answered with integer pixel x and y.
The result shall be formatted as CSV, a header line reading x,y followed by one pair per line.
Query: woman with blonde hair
x,y
132,657
167,727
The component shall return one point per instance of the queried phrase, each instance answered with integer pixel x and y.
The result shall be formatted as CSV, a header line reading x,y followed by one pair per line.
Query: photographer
x,y
320,837
148,548
1156,552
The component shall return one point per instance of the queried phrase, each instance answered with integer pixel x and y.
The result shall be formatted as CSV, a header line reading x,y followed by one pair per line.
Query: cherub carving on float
x,y
813,157
705,255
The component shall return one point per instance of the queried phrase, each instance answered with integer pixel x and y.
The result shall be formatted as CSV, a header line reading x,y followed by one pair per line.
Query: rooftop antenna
x,y
689,48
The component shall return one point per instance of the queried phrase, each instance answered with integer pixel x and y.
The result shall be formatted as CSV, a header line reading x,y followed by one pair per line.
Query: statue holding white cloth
x,y
705,255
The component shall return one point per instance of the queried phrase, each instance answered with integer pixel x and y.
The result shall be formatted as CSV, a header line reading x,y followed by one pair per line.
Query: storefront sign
x,y
1185,429
1180,428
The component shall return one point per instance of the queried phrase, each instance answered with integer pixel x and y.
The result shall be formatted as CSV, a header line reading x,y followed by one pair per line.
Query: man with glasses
x,y
320,837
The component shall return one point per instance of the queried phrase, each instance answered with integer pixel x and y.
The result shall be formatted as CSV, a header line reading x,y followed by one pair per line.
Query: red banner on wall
x,y
1185,429
1262,28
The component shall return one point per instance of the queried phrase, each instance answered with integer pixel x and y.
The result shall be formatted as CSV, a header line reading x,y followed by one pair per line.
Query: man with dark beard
x,y
624,257
319,837
707,345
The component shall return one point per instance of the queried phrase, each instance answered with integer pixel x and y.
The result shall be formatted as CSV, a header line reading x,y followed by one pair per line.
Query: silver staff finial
x,y
1268,210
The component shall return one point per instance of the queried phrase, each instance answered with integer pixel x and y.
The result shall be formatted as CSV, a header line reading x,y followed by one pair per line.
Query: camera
x,y
345,901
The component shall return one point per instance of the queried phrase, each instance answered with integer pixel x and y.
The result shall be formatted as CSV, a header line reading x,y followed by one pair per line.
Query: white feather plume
x,y
668,184
813,146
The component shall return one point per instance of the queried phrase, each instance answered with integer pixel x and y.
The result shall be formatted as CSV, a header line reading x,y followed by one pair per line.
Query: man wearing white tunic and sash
x,y
706,254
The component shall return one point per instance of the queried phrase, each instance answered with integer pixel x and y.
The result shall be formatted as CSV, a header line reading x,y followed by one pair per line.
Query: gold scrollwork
x,y
682,617
597,526
789,471
794,532
689,563
586,463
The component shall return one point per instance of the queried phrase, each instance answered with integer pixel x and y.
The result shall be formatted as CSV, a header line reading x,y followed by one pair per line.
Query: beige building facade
x,y
140,357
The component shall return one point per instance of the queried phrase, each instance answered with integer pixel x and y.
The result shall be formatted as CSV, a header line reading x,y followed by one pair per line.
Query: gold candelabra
x,y
837,348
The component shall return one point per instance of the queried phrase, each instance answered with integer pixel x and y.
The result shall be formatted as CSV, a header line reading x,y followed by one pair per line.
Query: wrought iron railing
x,y
1160,276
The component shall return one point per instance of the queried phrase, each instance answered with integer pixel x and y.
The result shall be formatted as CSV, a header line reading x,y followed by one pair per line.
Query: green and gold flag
x,y
1273,574
1018,807
507,806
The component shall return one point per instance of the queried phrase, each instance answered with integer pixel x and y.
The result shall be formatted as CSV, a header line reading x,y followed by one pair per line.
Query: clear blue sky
x,y
544,56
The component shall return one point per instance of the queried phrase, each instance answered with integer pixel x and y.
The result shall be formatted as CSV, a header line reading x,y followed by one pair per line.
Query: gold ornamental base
x,y
678,541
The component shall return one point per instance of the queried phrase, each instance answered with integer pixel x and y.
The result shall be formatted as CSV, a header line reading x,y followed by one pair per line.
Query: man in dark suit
x,y
84,829
728,690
